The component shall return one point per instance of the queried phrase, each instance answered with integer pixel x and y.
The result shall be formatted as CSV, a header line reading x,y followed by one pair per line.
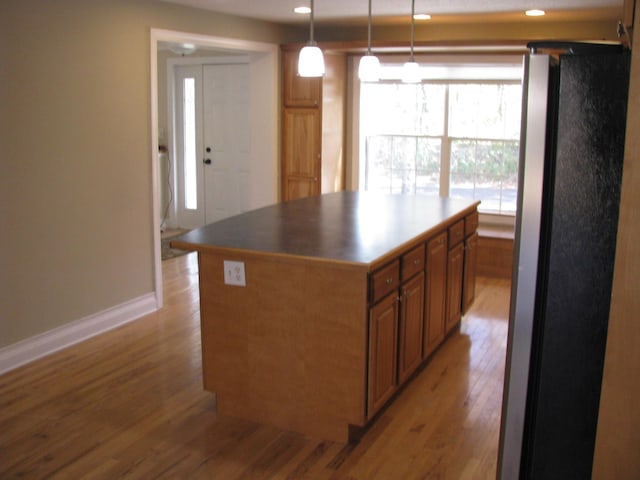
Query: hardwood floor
x,y
129,403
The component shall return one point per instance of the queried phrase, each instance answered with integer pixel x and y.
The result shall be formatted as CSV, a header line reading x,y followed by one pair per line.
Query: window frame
x,y
443,69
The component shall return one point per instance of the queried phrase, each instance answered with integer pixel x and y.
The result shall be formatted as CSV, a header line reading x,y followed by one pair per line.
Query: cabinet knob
x,y
416,262
389,281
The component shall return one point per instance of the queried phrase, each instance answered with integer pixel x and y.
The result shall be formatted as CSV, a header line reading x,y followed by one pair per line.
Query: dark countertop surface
x,y
352,227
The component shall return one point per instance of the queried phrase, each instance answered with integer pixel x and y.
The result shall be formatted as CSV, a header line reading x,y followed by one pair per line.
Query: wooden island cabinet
x,y
395,326
315,312
455,266
470,260
436,293
411,313
383,352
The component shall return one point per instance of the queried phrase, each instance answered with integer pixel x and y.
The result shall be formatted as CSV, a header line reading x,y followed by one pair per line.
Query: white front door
x,y
212,142
226,140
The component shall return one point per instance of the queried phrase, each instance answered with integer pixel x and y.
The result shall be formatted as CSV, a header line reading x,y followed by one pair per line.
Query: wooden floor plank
x,y
129,404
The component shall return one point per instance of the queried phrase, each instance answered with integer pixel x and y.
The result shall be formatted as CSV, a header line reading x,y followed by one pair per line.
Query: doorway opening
x,y
259,182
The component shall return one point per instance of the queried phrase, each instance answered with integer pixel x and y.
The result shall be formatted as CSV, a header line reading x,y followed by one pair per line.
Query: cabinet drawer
x,y
412,262
385,280
456,233
470,223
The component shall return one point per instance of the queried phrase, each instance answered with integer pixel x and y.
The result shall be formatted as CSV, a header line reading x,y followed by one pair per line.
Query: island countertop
x,y
345,227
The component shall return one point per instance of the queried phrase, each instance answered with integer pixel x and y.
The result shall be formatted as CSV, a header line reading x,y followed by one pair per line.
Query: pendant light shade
x,y
310,59
411,73
311,62
411,70
369,69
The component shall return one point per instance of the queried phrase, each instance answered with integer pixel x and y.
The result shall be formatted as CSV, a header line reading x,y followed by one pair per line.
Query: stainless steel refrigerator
x,y
572,145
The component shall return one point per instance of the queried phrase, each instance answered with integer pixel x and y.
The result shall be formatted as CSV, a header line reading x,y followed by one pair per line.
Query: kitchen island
x,y
314,312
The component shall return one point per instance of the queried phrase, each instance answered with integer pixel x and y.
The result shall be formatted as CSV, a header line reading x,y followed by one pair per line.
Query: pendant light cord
x,y
311,42
369,32
413,8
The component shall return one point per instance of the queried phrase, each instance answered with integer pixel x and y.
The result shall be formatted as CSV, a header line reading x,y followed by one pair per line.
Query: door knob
x,y
207,161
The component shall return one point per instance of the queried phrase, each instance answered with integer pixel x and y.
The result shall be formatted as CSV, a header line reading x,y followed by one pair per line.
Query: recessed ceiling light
x,y
534,13
183,48
422,16
302,10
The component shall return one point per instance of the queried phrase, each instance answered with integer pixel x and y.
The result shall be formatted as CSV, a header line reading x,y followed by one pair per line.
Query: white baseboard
x,y
25,351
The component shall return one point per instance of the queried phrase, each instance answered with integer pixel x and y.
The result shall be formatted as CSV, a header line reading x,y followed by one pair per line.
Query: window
x,y
189,129
456,137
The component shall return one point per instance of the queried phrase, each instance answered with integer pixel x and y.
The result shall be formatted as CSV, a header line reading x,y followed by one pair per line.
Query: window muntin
x,y
403,164
485,170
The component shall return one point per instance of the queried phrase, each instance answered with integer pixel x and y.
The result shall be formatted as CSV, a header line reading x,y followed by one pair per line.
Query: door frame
x,y
264,118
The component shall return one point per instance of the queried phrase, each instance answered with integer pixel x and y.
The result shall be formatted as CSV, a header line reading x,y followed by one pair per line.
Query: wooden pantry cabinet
x,y
313,127
301,146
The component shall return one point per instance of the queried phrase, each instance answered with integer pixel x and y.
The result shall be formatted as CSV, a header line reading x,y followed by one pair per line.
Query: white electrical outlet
x,y
234,273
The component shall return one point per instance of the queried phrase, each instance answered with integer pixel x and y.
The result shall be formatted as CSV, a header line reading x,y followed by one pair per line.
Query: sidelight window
x,y
189,143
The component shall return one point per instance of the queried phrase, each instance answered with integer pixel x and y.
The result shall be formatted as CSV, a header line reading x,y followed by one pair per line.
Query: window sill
x,y
496,231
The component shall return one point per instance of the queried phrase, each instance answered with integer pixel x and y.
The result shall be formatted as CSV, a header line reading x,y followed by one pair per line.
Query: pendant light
x,y
369,69
310,59
411,70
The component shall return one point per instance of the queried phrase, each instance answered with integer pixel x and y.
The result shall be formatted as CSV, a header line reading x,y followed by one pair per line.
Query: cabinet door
x,y
383,350
436,288
411,324
301,145
470,269
454,286
436,281
298,91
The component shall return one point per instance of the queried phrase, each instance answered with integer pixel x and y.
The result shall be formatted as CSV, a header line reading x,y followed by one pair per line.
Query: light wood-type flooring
x,y
129,404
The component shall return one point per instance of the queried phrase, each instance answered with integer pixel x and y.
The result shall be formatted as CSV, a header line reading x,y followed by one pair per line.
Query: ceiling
x,y
394,11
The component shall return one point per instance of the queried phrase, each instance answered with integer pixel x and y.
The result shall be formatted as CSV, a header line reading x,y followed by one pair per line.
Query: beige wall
x,y
75,181
617,452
